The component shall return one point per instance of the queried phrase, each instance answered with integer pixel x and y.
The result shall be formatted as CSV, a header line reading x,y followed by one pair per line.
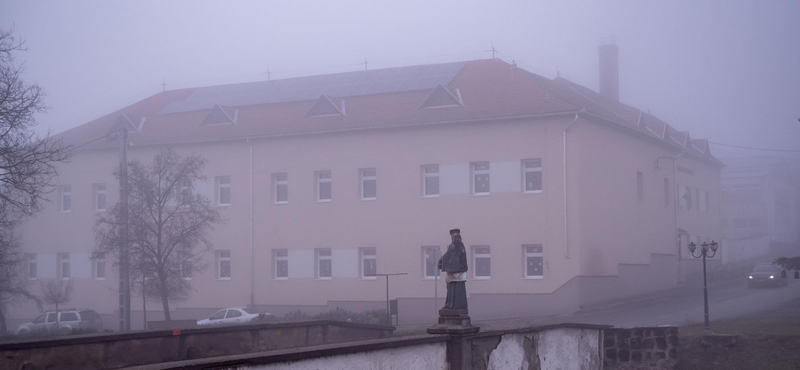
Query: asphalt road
x,y
679,306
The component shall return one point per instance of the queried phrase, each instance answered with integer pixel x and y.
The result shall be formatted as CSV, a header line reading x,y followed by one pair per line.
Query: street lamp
x,y
704,252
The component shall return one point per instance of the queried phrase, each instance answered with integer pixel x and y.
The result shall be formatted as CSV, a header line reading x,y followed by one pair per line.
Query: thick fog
x,y
723,70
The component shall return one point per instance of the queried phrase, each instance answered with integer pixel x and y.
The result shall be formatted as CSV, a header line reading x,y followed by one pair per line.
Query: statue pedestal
x,y
454,321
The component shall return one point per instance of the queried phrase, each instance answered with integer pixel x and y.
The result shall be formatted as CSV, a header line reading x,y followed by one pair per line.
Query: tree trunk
x,y
144,302
164,299
3,328
58,319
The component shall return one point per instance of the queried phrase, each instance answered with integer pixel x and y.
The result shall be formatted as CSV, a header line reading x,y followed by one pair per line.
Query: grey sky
x,y
725,70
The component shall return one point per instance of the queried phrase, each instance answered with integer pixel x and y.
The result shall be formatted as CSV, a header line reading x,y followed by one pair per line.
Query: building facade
x,y
564,196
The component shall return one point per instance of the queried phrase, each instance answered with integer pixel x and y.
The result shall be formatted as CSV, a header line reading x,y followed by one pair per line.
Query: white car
x,y
232,316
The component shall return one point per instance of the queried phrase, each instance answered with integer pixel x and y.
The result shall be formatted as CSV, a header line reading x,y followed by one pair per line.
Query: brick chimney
x,y
609,70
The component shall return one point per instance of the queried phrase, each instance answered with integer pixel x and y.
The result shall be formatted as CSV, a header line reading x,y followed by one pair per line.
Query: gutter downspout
x,y
252,237
566,218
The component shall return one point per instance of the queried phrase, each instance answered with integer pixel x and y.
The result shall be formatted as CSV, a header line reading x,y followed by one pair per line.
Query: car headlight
x,y
751,276
772,276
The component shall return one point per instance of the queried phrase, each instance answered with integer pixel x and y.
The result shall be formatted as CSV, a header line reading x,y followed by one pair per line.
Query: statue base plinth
x,y
454,321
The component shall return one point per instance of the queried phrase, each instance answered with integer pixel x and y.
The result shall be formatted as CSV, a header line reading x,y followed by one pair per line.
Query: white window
x,y
667,190
280,188
66,198
186,264
63,263
280,258
430,180
482,261
684,197
224,190
532,175
100,197
324,264
480,178
534,261
369,263
324,190
697,198
185,189
639,186
224,265
100,268
369,183
32,265
704,201
430,262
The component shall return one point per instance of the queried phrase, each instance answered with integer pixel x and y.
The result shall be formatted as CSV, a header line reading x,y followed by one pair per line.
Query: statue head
x,y
455,235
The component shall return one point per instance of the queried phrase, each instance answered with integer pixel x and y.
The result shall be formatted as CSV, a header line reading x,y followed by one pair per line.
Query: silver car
x,y
67,319
233,316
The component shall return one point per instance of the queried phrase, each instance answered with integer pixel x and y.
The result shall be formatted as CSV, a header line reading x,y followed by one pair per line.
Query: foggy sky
x,y
724,70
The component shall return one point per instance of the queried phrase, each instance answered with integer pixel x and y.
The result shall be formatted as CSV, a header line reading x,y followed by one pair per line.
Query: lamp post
x,y
706,250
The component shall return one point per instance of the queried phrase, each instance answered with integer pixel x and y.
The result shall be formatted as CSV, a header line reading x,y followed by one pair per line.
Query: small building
x,y
564,196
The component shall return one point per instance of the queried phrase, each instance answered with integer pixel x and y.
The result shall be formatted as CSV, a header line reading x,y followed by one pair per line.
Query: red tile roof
x,y
489,89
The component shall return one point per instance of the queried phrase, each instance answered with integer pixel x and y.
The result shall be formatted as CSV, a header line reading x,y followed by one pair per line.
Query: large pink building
x,y
564,196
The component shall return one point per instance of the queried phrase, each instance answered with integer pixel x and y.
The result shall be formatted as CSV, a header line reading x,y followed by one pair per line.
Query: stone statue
x,y
454,263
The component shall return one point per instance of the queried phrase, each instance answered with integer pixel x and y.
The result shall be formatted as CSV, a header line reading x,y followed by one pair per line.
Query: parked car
x,y
233,316
766,274
67,319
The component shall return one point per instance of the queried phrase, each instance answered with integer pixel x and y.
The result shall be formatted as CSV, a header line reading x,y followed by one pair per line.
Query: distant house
x,y
760,208
565,196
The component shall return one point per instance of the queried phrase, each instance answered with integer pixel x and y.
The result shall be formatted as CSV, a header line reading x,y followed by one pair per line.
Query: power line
x,y
752,148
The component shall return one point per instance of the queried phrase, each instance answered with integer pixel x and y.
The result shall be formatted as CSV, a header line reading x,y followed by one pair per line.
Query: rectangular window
x,y
688,193
324,189
534,261
667,190
186,264
224,265
532,175
697,198
224,190
185,189
63,264
480,178
280,188
280,264
430,180
639,186
369,183
100,197
100,268
369,263
66,198
430,262
704,202
32,265
324,265
482,261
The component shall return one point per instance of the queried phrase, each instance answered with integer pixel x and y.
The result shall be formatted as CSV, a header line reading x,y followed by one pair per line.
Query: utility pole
x,y
124,273
388,312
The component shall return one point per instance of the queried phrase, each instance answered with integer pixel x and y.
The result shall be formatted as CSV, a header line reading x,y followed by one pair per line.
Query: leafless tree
x,y
56,291
27,166
167,226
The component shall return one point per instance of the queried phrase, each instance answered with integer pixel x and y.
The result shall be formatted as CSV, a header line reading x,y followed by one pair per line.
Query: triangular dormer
x,y
323,107
220,116
122,122
441,97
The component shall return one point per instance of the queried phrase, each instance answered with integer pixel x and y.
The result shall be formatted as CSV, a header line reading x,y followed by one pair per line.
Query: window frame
x,y
185,265
526,254
428,175
64,260
363,178
639,187
667,190
475,256
97,194
32,260
474,172
526,170
221,187
65,192
437,254
220,260
318,258
276,184
318,181
277,258
362,258
96,268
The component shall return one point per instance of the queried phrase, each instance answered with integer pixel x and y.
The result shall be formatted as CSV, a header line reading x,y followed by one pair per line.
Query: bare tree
x,y
56,291
167,227
27,166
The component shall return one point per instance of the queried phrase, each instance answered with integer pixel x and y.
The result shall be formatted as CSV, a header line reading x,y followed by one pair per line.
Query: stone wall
x,y
113,351
641,348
